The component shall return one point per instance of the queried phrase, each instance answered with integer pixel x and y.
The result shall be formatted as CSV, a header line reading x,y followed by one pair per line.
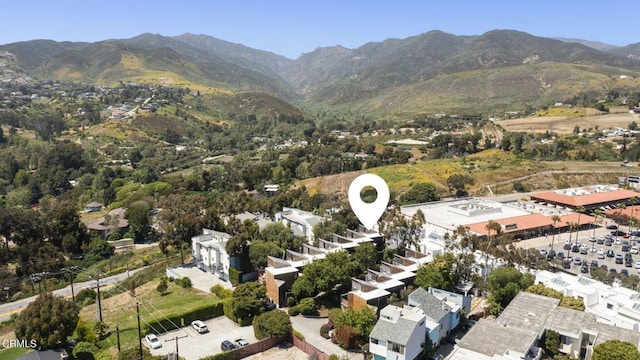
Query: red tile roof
x,y
630,211
586,199
523,222
531,221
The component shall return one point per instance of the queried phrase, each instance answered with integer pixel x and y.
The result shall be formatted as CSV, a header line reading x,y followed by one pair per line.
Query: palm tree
x,y
555,219
579,210
596,213
495,226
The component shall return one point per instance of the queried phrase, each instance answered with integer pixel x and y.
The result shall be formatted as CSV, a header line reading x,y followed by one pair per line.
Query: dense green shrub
x,y
291,301
293,311
185,282
86,297
274,323
235,276
306,306
221,292
324,331
201,313
84,351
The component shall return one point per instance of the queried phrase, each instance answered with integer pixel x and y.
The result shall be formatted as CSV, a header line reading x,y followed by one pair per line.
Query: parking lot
x,y
597,249
193,346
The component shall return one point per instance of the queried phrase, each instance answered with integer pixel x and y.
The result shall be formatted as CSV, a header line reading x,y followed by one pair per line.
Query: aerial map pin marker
x,y
368,213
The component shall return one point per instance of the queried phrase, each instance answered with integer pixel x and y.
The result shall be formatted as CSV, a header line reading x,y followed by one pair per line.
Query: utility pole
x,y
118,338
176,340
139,329
99,304
73,294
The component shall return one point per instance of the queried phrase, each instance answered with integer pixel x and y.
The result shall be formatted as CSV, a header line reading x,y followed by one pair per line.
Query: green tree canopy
x,y
615,349
420,193
248,300
505,283
272,324
438,273
49,320
326,275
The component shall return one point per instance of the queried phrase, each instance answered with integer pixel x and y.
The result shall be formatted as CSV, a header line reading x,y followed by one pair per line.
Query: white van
x,y
199,326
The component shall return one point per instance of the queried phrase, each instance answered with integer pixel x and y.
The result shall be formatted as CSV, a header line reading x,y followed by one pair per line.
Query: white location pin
x,y
368,214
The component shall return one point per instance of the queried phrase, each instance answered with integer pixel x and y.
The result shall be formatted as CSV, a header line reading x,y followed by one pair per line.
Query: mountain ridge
x,y
366,76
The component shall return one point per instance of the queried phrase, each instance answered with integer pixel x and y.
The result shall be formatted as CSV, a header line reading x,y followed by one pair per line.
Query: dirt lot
x,y
566,124
288,352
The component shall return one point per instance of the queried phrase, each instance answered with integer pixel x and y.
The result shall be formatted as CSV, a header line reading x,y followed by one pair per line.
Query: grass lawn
x,y
120,310
13,353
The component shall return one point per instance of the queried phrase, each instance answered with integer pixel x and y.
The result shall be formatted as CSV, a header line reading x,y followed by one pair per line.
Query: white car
x,y
199,326
600,253
634,249
153,341
637,265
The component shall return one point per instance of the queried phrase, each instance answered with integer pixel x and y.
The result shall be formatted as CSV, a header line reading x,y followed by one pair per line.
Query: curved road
x,y
16,306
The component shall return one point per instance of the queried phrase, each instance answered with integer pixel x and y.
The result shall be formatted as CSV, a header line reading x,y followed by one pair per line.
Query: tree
x,y
438,273
274,323
162,286
457,184
248,300
259,250
49,320
279,234
570,302
420,193
504,284
555,219
139,221
326,275
551,343
363,319
65,230
615,349
84,351
367,256
401,229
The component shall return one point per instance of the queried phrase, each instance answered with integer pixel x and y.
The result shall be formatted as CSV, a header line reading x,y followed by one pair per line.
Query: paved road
x,y
13,307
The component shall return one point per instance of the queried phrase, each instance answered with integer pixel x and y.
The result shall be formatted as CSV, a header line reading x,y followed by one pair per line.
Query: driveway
x,y
200,279
310,328
193,346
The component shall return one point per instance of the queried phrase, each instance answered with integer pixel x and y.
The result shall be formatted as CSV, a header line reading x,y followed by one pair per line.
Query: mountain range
x,y
501,70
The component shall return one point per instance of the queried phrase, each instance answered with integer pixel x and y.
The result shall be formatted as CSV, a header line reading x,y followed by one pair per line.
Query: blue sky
x,y
290,28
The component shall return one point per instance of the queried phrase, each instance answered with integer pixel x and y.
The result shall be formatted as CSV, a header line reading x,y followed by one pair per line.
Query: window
x,y
609,306
397,348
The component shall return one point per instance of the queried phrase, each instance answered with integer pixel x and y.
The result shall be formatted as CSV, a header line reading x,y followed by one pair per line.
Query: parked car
x,y
608,242
567,264
594,263
600,253
633,249
610,253
551,254
567,245
624,272
153,341
612,227
241,342
227,345
577,261
575,248
584,269
600,240
619,259
560,255
637,265
199,326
